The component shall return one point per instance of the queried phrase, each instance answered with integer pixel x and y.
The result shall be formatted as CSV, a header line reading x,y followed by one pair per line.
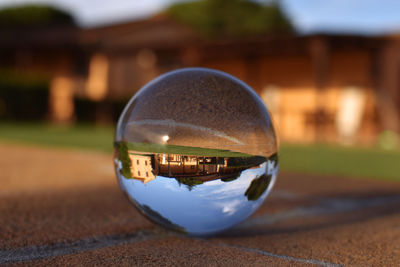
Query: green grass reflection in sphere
x,y
195,151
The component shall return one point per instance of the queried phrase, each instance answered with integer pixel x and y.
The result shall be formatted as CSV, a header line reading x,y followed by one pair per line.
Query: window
x,y
137,162
145,162
147,174
138,173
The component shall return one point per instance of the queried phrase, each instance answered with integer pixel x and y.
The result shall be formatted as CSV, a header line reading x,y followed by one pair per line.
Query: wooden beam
x,y
387,80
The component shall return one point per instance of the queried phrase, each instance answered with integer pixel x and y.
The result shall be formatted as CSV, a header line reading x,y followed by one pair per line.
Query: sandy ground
x,y
64,207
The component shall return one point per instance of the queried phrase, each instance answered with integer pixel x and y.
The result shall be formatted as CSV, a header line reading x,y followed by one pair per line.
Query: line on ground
x,y
326,207
283,257
46,251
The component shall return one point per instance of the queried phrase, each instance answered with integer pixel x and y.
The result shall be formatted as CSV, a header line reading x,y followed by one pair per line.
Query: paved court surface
x,y
63,207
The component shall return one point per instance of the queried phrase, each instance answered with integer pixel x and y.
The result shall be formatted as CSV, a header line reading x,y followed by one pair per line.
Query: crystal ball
x,y
195,151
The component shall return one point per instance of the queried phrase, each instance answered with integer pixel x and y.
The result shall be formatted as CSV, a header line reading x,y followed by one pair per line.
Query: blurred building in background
x,y
330,88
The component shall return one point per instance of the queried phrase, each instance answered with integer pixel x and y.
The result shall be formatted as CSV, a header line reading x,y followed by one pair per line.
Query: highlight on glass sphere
x,y
195,151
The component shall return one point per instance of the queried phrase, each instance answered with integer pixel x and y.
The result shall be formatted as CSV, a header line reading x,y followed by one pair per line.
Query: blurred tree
x,y
23,96
190,182
34,16
258,187
123,155
231,17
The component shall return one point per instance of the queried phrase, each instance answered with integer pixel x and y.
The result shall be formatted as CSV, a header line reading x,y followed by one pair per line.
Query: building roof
x,y
163,33
156,32
44,37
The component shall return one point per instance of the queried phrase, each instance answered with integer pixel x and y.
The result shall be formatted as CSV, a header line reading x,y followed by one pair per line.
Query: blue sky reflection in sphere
x,y
221,204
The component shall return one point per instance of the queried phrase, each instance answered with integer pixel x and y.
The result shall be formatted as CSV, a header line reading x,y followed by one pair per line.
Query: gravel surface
x,y
64,207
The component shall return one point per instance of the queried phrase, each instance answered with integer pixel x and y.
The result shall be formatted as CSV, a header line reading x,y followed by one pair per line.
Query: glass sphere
x,y
195,151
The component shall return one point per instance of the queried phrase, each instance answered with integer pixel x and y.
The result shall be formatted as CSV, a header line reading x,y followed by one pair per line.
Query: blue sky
x,y
362,16
352,16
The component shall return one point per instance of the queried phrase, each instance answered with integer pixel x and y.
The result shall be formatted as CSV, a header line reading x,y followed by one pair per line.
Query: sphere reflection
x,y
195,151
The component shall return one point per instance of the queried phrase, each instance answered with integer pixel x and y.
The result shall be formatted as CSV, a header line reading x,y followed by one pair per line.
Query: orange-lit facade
x,y
141,167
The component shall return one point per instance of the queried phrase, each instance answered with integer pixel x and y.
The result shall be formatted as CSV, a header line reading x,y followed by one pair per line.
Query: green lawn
x,y
324,159
184,150
81,136
348,161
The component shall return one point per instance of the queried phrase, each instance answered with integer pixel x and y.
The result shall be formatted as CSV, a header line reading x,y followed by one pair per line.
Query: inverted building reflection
x,y
184,168
194,170
212,187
